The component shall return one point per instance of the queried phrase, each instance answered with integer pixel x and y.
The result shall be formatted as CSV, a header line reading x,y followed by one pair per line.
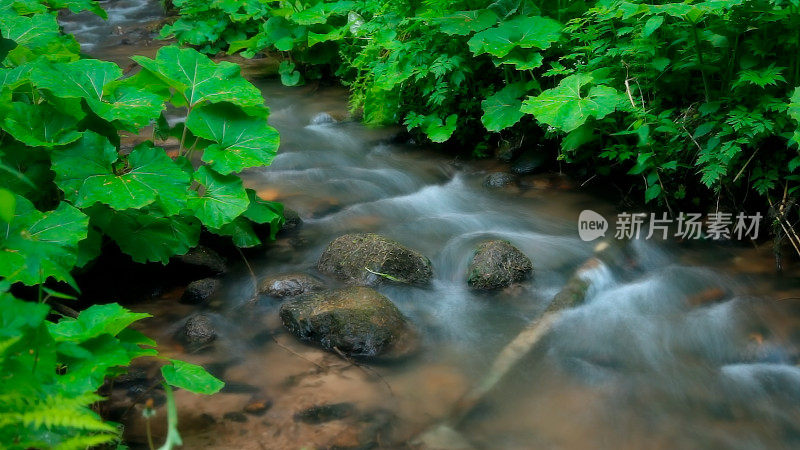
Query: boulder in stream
x,y
199,291
496,265
204,259
368,259
197,331
499,180
357,321
292,221
289,285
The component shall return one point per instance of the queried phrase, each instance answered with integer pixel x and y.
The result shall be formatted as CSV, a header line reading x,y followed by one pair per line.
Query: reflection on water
x,y
645,362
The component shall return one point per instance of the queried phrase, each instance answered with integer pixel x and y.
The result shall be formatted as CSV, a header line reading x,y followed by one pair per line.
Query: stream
x,y
641,364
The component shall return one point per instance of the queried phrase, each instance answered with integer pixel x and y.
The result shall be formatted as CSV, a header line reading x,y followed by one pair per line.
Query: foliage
x,y
691,97
51,371
74,183
70,185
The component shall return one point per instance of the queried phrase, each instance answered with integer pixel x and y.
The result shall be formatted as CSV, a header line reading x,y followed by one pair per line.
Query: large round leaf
x,y
91,171
221,198
37,245
242,141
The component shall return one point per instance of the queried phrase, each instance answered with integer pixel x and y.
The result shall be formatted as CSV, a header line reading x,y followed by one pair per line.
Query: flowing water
x,y
644,362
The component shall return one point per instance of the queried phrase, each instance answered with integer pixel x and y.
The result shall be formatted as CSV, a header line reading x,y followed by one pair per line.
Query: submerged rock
x,y
289,285
197,331
498,180
529,161
205,259
325,413
497,264
292,221
368,259
357,321
198,292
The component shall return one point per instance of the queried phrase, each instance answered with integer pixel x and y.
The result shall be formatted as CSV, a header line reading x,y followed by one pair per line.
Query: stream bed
x,y
646,362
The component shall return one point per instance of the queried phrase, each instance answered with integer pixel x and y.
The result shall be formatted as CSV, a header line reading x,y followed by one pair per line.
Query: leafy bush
x,y
50,372
691,98
62,118
68,186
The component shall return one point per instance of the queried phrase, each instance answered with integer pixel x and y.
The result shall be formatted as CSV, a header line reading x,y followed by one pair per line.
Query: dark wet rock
x,y
499,180
289,285
497,264
368,259
292,221
258,406
235,416
134,376
507,150
529,161
357,321
325,413
199,291
205,259
198,330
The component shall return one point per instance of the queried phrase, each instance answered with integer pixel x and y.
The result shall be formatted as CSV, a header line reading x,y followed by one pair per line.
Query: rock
x,y
292,221
289,285
357,321
258,406
499,180
198,330
497,264
198,292
322,118
368,259
205,258
325,413
235,416
529,161
507,150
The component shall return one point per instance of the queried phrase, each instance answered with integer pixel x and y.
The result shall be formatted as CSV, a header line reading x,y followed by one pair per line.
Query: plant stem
x,y
700,60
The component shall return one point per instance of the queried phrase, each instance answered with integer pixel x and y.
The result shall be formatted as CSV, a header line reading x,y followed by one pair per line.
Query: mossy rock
x,y
289,285
357,321
497,264
368,259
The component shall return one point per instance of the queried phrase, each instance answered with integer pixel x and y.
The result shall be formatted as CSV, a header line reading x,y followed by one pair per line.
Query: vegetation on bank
x,y
70,189
696,100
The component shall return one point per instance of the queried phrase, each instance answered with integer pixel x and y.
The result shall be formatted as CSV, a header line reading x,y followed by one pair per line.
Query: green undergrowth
x,y
70,188
694,101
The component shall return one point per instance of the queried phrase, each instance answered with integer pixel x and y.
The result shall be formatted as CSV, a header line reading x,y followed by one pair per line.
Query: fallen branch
x,y
443,435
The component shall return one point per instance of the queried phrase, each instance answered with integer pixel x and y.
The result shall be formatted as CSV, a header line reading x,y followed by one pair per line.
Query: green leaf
x,y
198,79
525,32
8,204
38,245
566,108
95,81
147,236
93,322
191,377
502,109
463,23
652,192
241,141
320,12
40,125
91,171
222,198
289,76
652,24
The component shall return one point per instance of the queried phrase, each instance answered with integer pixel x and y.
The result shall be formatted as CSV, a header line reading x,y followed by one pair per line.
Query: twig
x,y
365,369
321,367
252,274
